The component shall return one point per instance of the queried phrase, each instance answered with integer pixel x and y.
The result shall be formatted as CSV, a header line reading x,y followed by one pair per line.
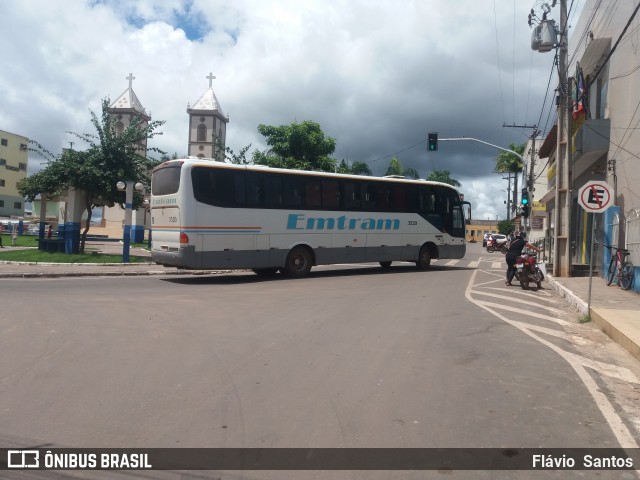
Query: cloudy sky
x,y
376,75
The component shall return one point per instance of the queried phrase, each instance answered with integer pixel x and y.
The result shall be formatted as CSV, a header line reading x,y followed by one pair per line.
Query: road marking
x,y
536,294
496,265
526,312
474,264
524,302
617,425
451,263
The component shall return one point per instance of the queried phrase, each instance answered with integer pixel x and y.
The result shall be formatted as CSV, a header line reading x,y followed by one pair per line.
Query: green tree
x,y
507,162
505,227
443,176
111,157
299,146
230,156
395,168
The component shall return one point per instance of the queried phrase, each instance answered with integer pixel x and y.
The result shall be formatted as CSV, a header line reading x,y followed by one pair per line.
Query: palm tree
x,y
356,168
507,162
444,177
395,168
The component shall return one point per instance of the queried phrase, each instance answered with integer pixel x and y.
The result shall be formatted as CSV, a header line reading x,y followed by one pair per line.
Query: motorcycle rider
x,y
515,250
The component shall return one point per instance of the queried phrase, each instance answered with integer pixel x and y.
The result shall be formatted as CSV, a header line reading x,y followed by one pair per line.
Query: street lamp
x,y
128,187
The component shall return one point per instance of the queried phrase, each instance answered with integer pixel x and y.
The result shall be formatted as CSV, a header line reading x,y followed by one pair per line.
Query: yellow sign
x,y
538,206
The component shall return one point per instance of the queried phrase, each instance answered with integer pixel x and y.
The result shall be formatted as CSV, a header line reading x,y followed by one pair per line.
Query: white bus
x,y
213,215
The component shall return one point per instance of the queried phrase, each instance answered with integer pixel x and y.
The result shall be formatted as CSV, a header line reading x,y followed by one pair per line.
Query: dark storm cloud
x,y
377,76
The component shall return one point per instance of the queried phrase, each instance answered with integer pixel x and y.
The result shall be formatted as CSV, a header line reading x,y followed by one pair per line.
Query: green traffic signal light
x,y
432,143
525,197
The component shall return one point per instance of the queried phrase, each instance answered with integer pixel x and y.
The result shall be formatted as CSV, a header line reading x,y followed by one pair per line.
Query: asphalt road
x,y
347,357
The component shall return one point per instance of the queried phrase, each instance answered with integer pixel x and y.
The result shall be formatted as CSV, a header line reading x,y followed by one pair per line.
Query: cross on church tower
x,y
131,78
210,77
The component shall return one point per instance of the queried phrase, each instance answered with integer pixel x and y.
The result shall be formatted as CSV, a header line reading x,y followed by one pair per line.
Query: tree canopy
x,y
395,168
111,157
299,146
506,227
443,176
356,168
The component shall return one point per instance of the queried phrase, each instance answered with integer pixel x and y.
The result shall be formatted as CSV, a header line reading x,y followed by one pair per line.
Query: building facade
x,y
476,229
602,132
14,157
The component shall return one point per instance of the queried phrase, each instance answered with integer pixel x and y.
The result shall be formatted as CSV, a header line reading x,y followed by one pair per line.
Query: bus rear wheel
x,y
298,262
385,265
424,259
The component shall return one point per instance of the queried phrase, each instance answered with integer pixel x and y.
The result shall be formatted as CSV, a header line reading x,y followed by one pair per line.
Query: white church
x,y
207,124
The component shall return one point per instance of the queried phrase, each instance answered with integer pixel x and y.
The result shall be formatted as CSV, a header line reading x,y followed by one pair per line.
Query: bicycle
x,y
620,269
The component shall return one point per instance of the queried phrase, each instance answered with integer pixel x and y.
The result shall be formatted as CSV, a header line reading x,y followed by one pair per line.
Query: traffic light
x,y
525,202
433,142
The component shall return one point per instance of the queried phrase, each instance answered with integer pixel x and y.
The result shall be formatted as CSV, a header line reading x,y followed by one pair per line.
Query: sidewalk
x,y
613,310
40,270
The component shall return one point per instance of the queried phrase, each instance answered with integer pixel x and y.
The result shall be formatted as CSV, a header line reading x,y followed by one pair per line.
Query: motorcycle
x,y
528,271
494,244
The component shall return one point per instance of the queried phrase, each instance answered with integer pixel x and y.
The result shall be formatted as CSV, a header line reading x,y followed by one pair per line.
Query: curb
x,y
616,334
112,274
571,298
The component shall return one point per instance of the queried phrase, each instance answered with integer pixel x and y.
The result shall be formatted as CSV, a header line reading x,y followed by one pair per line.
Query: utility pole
x,y
562,212
531,181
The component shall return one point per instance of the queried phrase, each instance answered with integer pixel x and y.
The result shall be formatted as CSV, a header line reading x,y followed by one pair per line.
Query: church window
x,y
119,128
202,133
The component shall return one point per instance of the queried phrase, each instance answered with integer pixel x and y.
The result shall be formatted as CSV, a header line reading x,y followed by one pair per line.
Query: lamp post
x,y
128,187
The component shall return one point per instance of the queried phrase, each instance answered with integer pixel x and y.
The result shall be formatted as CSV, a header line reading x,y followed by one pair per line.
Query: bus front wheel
x,y
424,259
298,263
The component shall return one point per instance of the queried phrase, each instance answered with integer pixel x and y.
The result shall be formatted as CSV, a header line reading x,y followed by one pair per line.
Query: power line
x,y
394,154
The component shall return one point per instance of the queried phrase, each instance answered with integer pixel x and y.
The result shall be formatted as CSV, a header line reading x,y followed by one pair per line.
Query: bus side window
x,y
330,195
272,191
212,186
292,186
254,191
412,199
399,198
383,196
312,193
351,196
369,196
239,190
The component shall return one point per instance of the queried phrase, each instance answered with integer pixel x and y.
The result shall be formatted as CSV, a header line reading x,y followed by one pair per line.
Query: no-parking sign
x,y
595,196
